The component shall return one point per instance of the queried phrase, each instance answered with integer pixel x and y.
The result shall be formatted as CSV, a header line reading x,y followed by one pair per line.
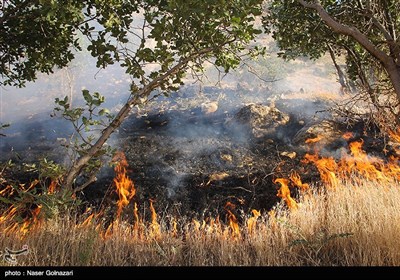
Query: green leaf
x,y
103,112
87,96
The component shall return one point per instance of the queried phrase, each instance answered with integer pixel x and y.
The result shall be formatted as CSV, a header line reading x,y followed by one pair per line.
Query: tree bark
x,y
81,162
386,60
342,77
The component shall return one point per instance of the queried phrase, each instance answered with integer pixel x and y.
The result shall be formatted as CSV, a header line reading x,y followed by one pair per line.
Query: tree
x,y
36,36
156,41
364,30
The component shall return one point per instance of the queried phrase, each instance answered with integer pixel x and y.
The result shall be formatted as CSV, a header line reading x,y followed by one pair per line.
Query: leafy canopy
x,y
38,35
300,31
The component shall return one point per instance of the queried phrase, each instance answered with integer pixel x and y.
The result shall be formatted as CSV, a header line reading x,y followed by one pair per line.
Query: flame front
x,y
356,162
326,167
295,178
252,221
32,222
353,161
284,193
123,184
154,226
233,222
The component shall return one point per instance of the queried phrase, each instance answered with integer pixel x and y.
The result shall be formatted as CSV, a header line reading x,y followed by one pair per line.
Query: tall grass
x,y
348,226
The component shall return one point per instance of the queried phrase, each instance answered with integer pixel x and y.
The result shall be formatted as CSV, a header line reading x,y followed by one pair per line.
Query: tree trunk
x,y
76,169
342,77
394,75
78,166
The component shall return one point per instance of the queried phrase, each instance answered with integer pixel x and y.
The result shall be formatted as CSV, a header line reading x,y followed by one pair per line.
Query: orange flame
x,y
124,185
357,162
108,233
284,193
314,140
136,215
362,163
233,222
326,168
174,229
347,135
252,221
295,178
196,225
52,188
7,191
395,134
33,222
9,214
87,221
154,226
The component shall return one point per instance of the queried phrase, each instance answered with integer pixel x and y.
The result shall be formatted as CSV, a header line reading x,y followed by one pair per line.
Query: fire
x,y
348,135
12,222
9,214
326,167
87,221
52,188
174,229
196,224
124,185
233,222
136,215
356,162
395,135
7,191
295,178
314,140
362,163
284,193
252,221
32,222
154,226
108,233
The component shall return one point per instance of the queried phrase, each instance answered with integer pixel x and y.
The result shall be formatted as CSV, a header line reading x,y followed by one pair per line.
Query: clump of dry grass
x,y
349,225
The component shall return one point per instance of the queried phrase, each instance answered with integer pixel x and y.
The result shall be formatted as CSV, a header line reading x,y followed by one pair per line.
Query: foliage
x,y
302,31
35,36
155,41
43,193
38,35
86,120
3,126
45,169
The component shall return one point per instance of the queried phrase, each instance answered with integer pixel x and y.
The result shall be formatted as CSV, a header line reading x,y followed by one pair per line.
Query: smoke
x,y
193,132
30,110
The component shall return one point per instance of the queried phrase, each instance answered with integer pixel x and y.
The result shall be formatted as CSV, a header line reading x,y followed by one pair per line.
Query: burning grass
x,y
348,225
353,219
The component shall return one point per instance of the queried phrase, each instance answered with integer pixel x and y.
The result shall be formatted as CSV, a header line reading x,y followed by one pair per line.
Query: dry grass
x,y
349,226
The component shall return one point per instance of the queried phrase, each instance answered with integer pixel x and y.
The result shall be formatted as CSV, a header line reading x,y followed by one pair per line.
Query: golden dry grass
x,y
348,226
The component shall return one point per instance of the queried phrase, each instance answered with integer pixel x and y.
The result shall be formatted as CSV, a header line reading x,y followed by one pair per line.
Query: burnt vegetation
x,y
206,149
193,162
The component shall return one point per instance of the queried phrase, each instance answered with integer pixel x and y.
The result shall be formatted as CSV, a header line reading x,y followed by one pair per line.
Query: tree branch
x,y
123,113
11,12
347,30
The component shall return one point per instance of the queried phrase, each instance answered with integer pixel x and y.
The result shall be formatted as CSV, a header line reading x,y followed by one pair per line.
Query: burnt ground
x,y
190,159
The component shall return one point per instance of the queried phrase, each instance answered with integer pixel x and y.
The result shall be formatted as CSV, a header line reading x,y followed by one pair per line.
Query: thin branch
x,y
254,72
91,180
